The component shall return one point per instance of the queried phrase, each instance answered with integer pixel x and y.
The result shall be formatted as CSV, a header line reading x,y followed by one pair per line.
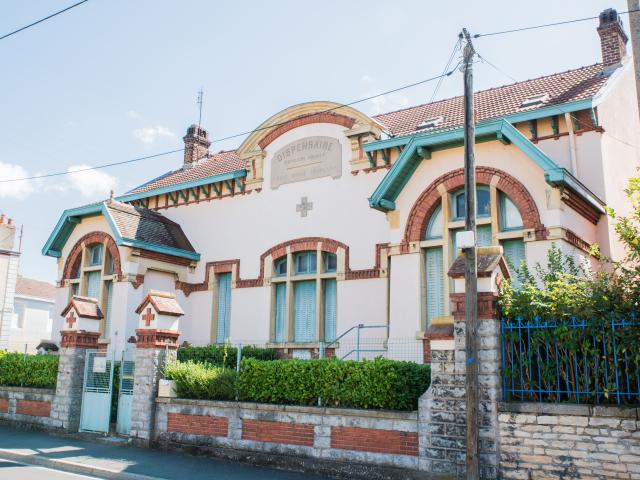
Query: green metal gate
x,y
125,394
96,393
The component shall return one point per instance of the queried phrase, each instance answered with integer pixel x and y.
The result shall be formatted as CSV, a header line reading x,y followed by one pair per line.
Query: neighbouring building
x,y
325,218
33,312
9,260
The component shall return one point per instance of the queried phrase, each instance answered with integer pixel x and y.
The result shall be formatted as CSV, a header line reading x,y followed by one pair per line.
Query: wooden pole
x,y
634,30
470,266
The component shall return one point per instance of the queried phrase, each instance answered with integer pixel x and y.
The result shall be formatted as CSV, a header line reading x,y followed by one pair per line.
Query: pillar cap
x,y
488,260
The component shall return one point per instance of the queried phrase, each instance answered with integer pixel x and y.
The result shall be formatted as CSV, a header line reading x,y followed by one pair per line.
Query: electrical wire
x,y
42,19
554,24
456,47
266,127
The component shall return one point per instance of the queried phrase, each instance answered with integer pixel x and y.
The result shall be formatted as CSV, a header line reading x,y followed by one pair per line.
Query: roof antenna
x,y
111,194
199,102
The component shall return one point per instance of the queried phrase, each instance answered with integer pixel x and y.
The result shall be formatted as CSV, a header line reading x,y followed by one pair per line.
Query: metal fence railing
x,y
573,361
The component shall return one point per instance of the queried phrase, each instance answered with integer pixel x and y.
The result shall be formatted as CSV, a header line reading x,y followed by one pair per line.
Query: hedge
x,y
37,371
202,381
223,355
375,384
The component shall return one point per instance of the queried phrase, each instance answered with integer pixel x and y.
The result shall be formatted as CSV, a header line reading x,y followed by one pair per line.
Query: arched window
x,y
498,222
93,277
305,297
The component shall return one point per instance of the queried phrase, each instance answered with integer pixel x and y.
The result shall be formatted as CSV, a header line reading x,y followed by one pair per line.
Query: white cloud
x,y
91,183
18,190
151,134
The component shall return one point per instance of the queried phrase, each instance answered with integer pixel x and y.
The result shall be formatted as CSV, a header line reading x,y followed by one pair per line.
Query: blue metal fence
x,y
571,361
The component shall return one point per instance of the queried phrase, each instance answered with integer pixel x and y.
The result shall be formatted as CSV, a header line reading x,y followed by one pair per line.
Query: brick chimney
x,y
196,144
7,233
613,40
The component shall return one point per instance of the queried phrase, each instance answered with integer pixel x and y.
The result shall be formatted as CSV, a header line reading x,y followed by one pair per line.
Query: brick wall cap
x,y
163,302
487,262
85,307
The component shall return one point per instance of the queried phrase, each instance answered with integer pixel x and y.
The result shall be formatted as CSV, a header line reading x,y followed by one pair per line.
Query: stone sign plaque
x,y
307,158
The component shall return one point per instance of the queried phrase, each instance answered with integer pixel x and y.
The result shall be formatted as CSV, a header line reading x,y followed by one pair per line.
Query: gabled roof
x,y
566,87
131,226
420,146
163,302
85,307
29,287
208,168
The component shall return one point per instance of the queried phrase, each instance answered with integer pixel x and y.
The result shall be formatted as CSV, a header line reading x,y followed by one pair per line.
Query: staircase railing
x,y
361,326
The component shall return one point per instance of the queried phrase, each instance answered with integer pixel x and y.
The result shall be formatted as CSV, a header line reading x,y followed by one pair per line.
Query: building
x,y
325,218
33,312
9,260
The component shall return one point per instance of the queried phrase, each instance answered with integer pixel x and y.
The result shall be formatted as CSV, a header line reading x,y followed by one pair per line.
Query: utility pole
x,y
634,30
470,265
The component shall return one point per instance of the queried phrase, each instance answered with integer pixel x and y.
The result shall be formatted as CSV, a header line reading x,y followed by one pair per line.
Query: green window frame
x,y
510,218
483,203
434,226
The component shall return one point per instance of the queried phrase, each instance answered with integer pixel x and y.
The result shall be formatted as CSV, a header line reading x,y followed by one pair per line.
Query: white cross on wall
x,y
304,206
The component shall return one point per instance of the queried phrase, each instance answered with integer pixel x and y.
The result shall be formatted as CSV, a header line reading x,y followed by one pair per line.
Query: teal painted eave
x,y
525,116
63,229
385,195
153,247
181,186
70,218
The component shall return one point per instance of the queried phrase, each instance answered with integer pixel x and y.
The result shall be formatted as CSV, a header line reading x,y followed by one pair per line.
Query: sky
x,y
112,80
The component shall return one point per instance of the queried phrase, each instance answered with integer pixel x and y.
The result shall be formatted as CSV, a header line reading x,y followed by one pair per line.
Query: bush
x,y
202,381
375,384
38,371
224,355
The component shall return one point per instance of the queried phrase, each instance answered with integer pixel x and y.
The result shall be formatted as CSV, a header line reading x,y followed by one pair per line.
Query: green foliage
x,y
37,371
569,329
224,355
202,381
376,384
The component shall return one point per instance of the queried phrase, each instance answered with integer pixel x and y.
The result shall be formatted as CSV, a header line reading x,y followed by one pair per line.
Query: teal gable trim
x,y
181,186
385,195
63,229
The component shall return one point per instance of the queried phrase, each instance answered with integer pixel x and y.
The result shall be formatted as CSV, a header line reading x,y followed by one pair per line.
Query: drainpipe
x,y
572,145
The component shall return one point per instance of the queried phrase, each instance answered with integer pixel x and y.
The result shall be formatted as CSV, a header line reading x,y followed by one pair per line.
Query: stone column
x,y
442,408
156,344
67,403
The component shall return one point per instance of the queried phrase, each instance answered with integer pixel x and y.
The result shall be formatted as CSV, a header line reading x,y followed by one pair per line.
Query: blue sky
x,y
117,79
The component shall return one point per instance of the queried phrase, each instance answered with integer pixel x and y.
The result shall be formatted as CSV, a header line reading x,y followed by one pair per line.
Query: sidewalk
x,y
125,462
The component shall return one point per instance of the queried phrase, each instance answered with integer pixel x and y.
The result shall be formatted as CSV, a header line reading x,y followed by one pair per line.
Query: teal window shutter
x,y
107,324
93,285
281,302
330,300
434,283
305,311
514,254
484,235
224,307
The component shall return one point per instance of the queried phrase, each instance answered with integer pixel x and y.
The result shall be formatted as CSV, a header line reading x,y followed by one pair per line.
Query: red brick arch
x,y
75,256
320,117
429,200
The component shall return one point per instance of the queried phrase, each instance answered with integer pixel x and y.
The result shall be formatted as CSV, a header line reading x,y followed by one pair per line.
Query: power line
x,y
113,164
446,69
554,24
42,19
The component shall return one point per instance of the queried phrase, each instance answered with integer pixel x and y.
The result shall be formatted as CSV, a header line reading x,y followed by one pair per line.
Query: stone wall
x,y
27,407
569,441
323,439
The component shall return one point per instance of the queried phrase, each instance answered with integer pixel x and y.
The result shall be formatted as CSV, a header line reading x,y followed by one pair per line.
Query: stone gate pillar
x,y
442,411
156,343
82,330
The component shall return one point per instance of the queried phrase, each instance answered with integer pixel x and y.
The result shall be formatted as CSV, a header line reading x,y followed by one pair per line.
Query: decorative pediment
x,y
159,311
83,314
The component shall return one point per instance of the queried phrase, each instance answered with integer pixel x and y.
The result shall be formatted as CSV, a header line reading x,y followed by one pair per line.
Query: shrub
x,y
202,381
224,355
376,384
38,371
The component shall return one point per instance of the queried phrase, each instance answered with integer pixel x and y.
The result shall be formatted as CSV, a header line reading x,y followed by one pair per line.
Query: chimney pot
x,y
613,40
196,144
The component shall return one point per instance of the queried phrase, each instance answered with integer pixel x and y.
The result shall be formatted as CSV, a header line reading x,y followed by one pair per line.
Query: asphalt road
x,y
19,471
